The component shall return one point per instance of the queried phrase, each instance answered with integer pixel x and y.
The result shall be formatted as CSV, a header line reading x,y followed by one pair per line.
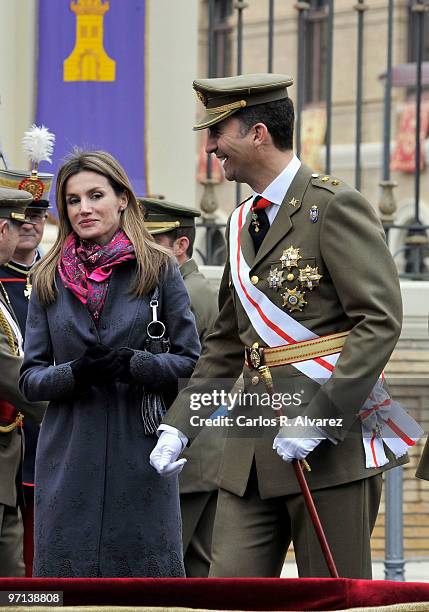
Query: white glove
x,y
164,456
296,448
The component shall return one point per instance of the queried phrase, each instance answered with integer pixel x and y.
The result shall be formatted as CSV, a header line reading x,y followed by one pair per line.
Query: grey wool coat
x,y
100,508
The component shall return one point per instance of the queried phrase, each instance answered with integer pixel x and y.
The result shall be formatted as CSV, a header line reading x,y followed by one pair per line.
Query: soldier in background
x,y
12,217
16,278
173,226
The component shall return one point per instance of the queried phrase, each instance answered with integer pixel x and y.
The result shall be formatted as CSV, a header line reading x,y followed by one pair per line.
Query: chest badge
x,y
309,277
314,214
290,258
275,278
293,299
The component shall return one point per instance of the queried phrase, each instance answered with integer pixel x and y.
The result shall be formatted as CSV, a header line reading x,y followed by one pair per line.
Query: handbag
x,y
153,407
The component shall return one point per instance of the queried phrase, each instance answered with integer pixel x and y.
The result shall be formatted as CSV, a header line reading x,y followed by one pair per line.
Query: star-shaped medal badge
x,y
294,299
275,279
290,258
309,277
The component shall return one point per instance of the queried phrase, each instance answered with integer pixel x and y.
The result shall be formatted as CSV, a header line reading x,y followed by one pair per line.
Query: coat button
x,y
290,277
255,380
254,280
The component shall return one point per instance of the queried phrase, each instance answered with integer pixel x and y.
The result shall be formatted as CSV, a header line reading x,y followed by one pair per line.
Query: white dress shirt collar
x,y
276,191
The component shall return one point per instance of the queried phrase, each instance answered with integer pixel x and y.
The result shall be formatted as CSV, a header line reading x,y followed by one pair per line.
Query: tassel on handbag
x,y
153,408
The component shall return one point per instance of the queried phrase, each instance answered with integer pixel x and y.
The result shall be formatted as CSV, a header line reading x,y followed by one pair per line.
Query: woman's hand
x,y
97,367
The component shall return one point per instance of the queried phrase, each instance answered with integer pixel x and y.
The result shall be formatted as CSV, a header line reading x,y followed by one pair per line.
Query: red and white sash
x,y
382,419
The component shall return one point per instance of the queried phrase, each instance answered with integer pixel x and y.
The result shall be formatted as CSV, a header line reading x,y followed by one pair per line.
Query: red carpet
x,y
226,593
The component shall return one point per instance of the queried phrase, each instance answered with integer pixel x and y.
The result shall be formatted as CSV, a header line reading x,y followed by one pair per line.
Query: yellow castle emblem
x,y
89,61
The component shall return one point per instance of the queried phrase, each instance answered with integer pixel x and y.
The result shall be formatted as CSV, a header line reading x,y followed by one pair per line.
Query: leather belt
x,y
9,415
257,356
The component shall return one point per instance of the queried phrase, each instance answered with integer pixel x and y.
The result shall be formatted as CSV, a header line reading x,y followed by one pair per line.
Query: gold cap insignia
x,y
201,97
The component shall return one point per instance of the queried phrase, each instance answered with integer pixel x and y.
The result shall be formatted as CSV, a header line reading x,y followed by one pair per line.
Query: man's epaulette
x,y
325,181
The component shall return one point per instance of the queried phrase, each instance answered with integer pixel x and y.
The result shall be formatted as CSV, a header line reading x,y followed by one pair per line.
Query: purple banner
x,y
91,80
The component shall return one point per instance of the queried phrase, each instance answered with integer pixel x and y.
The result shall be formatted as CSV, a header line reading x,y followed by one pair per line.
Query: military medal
x,y
275,279
255,222
309,277
26,273
293,299
290,258
314,214
28,287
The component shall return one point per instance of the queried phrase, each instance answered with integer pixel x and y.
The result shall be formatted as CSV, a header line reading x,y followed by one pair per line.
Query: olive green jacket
x,y
359,291
11,442
204,456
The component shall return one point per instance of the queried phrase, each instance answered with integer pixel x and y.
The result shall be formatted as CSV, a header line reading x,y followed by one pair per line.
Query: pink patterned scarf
x,y
85,268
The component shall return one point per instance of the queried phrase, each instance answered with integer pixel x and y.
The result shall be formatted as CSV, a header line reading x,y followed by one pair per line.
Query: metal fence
x,y
415,247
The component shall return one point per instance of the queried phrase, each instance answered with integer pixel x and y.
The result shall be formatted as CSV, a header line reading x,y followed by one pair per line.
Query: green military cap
x,y
13,203
225,96
162,216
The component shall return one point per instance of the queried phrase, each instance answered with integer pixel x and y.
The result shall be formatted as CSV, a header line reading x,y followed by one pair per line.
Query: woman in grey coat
x,y
100,508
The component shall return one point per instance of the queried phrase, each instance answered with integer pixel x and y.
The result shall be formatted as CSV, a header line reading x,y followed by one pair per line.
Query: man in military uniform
x,y
309,303
12,403
15,276
173,226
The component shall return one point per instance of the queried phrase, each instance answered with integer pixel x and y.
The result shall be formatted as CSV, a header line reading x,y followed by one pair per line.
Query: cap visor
x,y
210,119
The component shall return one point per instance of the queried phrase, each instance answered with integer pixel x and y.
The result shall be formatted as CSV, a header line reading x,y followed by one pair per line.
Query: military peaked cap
x,y
225,96
13,203
162,216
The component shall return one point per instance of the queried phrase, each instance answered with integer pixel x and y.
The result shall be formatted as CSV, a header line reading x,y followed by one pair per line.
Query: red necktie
x,y
259,203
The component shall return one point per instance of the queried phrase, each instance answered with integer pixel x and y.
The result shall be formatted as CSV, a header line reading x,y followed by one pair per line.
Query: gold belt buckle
x,y
255,356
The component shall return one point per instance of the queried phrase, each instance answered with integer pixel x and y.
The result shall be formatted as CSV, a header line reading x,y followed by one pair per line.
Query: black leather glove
x,y
98,366
125,355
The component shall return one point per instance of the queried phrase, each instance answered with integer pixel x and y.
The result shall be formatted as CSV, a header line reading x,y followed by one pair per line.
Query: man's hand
x,y
289,448
164,456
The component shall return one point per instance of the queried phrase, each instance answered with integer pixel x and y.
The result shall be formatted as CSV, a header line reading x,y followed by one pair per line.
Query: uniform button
x,y
104,326
255,380
314,176
254,280
290,277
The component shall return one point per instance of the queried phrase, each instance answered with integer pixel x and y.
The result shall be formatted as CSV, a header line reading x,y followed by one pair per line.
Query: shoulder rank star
x,y
275,278
309,277
314,213
293,299
290,258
